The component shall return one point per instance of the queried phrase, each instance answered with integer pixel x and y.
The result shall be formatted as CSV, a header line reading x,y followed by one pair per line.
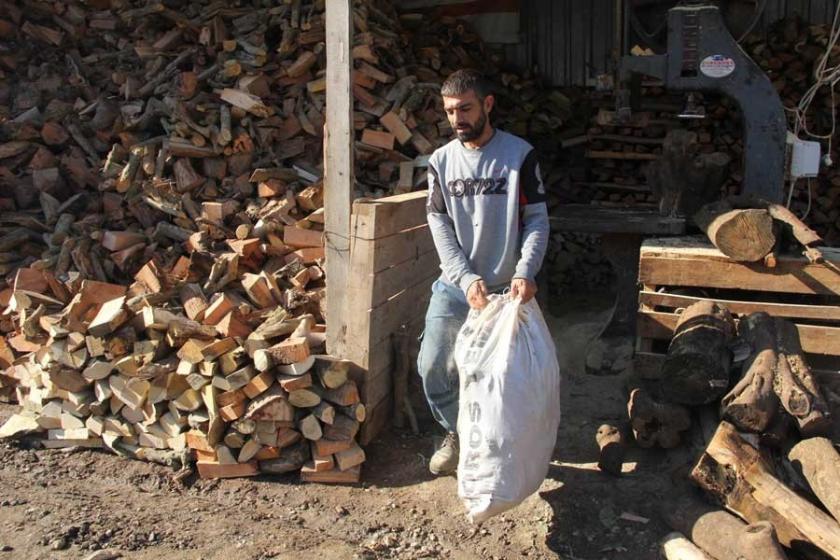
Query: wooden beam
x,y
789,310
816,339
692,261
338,165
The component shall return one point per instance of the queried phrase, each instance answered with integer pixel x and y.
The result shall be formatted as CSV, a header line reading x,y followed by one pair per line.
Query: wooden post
x,y
338,165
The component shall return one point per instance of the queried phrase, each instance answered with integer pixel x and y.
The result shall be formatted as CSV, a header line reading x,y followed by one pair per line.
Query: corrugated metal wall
x,y
571,41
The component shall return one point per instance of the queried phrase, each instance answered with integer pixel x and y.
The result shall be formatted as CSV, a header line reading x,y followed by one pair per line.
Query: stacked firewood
x,y
160,171
154,371
764,446
574,261
619,153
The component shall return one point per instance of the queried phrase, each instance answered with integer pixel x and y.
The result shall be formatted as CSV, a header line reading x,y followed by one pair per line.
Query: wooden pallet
x,y
673,272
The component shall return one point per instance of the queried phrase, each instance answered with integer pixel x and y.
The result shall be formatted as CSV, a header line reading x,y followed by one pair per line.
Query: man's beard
x,y
474,130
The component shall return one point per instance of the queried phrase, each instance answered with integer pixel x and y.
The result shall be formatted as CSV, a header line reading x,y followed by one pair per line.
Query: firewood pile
x,y
574,261
136,374
618,154
161,219
766,430
161,234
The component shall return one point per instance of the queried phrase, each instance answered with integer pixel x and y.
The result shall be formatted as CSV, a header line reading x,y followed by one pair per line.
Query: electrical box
x,y
804,158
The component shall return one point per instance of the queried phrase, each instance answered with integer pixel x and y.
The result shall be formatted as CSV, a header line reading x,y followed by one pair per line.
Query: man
x,y
487,214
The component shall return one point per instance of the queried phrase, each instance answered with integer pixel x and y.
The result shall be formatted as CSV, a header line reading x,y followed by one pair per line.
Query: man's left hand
x,y
523,288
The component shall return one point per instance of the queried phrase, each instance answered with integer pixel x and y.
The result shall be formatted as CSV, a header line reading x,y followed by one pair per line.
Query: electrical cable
x,y
824,75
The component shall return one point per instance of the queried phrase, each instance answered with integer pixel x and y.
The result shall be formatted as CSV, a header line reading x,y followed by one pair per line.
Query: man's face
x,y
467,114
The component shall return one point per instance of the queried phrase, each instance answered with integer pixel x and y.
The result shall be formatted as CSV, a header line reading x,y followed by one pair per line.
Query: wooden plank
x,y
385,284
387,318
373,219
374,255
690,261
702,272
338,165
790,310
371,326
379,355
211,469
815,339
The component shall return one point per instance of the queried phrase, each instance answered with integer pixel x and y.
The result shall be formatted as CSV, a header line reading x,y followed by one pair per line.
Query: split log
x,y
290,351
752,403
332,373
817,460
349,458
310,428
735,474
696,370
796,386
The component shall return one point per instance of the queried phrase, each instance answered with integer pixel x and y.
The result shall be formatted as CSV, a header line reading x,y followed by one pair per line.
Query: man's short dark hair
x,y
461,81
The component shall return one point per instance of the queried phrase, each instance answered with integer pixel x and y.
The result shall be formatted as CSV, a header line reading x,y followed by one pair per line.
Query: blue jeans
x,y
447,312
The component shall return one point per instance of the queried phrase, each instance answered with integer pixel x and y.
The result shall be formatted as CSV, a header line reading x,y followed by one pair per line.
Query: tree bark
x,y
696,370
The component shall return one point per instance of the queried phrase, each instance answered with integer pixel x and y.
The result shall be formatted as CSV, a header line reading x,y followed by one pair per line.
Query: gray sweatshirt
x,y
486,211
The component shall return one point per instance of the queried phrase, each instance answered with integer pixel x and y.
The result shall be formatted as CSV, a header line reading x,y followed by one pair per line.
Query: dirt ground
x,y
67,504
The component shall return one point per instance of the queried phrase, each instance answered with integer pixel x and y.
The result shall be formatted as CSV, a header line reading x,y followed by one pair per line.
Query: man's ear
x,y
489,101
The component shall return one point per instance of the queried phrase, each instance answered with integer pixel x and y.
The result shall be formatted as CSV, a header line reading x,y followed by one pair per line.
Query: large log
x,y
818,462
735,473
751,404
744,235
712,529
696,370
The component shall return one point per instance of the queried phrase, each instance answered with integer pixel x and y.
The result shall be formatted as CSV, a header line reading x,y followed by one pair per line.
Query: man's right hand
x,y
477,294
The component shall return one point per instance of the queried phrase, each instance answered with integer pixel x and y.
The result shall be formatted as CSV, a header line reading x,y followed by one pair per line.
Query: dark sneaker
x,y
445,459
